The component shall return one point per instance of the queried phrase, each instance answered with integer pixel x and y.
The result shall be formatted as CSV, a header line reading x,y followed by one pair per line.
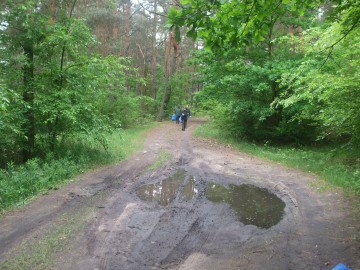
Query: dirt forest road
x,y
174,205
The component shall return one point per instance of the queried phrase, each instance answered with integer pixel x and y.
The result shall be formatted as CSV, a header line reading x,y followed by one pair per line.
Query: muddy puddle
x,y
165,191
252,205
189,192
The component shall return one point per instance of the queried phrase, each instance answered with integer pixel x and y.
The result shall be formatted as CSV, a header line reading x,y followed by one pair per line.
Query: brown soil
x,y
103,224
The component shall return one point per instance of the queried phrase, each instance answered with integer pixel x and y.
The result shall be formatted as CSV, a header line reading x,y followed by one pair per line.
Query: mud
x,y
163,218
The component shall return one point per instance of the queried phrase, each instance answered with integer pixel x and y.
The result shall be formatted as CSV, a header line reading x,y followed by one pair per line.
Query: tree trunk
x,y
154,52
195,86
175,3
167,74
175,47
28,97
52,11
115,30
60,84
127,27
143,69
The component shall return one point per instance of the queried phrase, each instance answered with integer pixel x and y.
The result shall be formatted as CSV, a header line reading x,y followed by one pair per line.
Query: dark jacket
x,y
184,115
178,111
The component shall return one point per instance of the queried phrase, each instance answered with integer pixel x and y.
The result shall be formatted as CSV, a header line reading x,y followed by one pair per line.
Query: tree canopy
x,y
269,71
280,71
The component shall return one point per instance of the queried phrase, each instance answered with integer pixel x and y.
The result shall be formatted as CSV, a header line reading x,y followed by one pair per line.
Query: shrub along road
x,y
154,211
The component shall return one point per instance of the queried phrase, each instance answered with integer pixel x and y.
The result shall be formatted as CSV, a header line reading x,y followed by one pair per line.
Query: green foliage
x,y
225,24
296,78
68,91
180,92
11,122
326,83
333,165
19,183
243,94
135,110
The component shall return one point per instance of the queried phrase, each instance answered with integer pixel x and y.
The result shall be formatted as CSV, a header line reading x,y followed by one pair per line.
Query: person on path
x,y
184,118
178,114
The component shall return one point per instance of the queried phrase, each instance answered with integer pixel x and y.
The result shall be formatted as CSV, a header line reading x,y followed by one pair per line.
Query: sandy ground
x,y
99,221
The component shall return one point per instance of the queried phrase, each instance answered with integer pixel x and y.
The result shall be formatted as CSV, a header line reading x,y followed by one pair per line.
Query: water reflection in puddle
x,y
189,192
253,205
165,191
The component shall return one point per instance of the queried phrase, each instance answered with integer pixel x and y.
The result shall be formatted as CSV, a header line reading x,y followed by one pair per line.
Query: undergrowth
x,y
330,163
20,183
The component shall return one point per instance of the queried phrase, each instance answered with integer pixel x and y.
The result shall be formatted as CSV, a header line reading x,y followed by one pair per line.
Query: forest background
x,y
77,77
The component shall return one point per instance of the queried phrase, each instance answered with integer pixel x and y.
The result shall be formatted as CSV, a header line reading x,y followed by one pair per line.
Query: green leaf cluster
x,y
53,86
226,24
327,80
289,77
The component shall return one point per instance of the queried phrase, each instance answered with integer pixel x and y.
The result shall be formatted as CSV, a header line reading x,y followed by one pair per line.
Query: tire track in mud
x,y
131,234
151,239
103,257
172,219
190,236
192,242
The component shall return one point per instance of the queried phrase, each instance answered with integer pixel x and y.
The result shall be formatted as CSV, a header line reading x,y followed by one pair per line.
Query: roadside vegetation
x,y
77,76
283,77
333,164
21,183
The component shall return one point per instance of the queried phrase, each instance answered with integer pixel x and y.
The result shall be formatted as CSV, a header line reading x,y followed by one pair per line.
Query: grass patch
x,y
163,157
124,145
327,162
41,251
19,184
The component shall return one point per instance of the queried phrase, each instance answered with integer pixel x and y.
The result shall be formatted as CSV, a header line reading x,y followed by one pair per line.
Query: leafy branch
x,y
332,46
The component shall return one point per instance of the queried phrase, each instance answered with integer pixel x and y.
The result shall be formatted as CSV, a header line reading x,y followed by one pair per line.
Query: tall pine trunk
x,y
167,75
127,27
154,52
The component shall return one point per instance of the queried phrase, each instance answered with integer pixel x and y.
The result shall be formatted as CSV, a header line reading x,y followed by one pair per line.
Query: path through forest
x,y
132,216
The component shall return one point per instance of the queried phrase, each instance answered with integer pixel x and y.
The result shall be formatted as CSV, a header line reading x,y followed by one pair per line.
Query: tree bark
x,y
167,74
127,27
154,52
143,69
173,41
175,47
115,30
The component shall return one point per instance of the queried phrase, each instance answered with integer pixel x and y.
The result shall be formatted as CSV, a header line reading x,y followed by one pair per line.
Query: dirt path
x,y
100,222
